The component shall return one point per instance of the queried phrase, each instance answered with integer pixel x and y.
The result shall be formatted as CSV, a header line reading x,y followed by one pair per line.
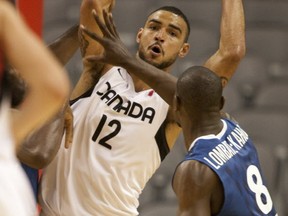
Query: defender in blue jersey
x,y
220,174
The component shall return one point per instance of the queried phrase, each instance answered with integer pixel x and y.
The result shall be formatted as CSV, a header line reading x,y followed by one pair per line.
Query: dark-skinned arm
x,y
41,147
224,62
38,149
162,82
116,53
196,187
65,46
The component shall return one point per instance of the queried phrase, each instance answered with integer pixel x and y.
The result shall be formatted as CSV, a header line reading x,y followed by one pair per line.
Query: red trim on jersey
x,y
151,93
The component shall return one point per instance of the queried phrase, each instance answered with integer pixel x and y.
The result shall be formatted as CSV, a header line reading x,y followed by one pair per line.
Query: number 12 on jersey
x,y
101,128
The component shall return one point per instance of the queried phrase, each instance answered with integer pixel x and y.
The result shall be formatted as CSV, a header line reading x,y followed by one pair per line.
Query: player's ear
x,y
176,103
176,109
139,34
184,50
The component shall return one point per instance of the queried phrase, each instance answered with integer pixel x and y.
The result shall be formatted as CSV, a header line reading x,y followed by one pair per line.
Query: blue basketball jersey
x,y
32,175
233,157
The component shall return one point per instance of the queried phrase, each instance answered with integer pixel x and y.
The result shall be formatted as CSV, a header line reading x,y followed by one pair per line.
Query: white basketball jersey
x,y
16,196
114,151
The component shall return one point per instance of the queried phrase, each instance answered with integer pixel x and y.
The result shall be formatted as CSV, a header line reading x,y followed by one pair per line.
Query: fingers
x,y
91,34
110,24
68,127
101,25
107,22
108,28
99,58
68,136
113,26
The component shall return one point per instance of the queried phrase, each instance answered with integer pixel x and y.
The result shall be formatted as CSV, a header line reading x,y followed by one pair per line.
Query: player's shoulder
x,y
194,178
195,167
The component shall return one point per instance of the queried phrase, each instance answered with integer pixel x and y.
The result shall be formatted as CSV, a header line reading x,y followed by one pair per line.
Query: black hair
x,y
14,86
178,12
199,88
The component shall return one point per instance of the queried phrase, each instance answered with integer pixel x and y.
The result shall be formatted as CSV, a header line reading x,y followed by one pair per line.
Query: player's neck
x,y
199,127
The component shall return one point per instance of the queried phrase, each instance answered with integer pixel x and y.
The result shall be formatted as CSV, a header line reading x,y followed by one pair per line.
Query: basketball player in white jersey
x,y
20,48
122,128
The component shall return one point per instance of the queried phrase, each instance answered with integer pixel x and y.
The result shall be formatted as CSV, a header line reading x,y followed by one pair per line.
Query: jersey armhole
x,y
84,95
161,141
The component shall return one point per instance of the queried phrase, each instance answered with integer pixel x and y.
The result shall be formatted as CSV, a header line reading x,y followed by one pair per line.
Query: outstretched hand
x,y
68,127
116,53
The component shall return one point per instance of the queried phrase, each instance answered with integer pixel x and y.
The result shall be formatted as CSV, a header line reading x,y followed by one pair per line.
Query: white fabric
x,y
16,196
90,179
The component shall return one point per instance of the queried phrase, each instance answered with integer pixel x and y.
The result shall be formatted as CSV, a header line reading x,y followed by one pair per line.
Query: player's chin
x,y
156,61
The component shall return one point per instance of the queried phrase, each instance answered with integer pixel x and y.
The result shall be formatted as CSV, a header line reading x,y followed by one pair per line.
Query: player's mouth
x,y
156,50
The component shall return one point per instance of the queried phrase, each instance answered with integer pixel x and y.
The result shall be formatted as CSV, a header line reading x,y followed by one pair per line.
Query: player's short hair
x,y
199,88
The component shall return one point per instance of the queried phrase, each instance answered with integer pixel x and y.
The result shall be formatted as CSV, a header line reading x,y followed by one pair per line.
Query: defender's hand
x,y
68,127
115,51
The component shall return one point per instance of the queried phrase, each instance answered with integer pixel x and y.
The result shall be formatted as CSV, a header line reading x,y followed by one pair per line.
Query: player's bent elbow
x,y
235,53
35,158
38,161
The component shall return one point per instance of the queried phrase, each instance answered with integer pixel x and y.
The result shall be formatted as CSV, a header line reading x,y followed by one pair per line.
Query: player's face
x,y
162,39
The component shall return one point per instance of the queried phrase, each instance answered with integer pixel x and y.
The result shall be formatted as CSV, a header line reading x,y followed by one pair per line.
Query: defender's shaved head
x,y
198,88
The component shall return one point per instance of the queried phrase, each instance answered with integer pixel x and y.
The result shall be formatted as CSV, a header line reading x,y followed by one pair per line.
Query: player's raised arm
x,y
89,46
92,71
65,46
232,46
39,68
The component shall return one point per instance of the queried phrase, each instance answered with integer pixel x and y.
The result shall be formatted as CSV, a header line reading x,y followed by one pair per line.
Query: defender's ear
x,y
176,103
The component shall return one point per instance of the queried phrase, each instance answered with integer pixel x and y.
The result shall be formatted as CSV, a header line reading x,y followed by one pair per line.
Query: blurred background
x,y
257,95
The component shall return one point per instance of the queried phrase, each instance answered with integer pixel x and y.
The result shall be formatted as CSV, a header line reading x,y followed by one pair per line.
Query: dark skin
x,y
50,135
41,146
228,62
197,187
223,62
